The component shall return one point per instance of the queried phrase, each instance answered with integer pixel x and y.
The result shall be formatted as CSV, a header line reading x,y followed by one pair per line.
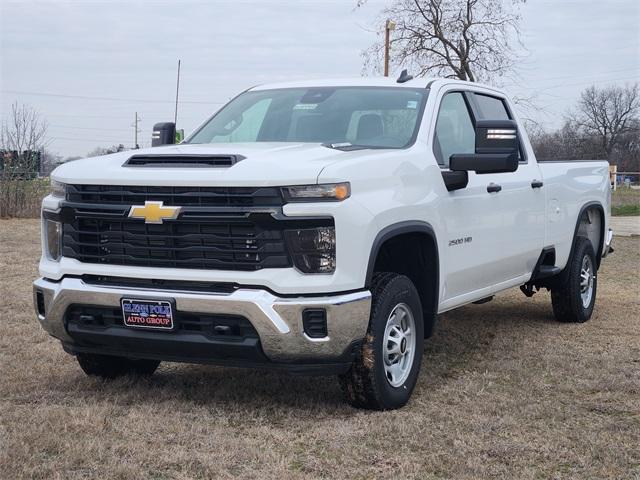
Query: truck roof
x,y
370,82
348,82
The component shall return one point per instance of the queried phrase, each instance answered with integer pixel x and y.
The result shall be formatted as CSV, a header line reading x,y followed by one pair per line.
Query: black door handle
x,y
537,184
493,187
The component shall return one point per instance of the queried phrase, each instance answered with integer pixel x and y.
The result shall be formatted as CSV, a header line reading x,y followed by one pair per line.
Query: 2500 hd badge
x,y
460,241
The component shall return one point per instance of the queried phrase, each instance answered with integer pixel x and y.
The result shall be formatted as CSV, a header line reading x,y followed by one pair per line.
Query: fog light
x,y
313,250
53,234
314,322
40,303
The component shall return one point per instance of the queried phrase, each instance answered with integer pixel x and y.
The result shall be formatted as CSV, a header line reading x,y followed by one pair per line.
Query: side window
x,y
454,129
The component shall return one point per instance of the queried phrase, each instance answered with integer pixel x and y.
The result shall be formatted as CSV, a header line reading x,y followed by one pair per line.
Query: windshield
x,y
375,117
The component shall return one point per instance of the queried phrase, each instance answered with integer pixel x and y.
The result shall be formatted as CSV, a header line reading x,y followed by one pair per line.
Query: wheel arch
x,y
597,206
417,239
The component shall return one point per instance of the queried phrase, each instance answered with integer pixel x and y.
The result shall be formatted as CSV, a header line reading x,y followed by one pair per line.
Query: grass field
x,y
625,202
505,391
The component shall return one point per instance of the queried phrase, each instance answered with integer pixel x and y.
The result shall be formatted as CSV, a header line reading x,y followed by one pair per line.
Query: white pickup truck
x,y
317,227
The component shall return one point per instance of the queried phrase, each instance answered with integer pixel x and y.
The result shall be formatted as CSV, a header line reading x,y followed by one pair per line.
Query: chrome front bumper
x,y
277,320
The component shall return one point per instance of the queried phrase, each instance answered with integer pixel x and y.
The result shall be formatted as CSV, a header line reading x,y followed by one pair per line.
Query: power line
x,y
92,139
110,99
121,117
588,82
564,77
89,128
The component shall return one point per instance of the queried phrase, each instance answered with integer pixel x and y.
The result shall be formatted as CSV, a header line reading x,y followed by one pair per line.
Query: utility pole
x,y
136,130
175,116
388,26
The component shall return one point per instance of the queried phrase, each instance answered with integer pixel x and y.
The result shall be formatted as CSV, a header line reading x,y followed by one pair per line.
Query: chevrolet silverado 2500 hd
x,y
317,227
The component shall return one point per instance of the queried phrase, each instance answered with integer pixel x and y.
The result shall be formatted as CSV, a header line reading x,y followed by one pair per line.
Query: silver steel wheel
x,y
399,345
586,281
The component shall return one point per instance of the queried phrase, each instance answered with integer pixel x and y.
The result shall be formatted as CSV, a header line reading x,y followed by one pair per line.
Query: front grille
x,y
197,243
183,196
218,228
214,326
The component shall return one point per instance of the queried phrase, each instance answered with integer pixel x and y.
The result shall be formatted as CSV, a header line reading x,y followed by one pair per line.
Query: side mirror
x,y
163,134
497,147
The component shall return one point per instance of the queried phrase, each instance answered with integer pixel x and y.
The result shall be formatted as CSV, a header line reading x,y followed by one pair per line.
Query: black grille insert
x,y
176,196
204,243
161,284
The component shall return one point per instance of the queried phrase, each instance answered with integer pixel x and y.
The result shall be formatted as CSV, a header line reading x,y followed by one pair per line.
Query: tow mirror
x,y
163,134
497,148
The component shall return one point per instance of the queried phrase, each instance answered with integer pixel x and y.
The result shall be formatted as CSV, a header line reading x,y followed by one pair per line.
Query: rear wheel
x,y
108,366
573,301
384,375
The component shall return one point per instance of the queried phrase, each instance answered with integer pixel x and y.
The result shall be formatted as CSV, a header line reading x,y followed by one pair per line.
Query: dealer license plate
x,y
155,314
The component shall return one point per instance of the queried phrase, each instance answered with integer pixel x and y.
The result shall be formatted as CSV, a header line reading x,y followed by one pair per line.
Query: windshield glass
x,y
376,117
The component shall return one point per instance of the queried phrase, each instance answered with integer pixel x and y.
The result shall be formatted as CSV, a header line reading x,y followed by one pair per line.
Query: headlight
x,y
58,189
313,249
53,238
328,192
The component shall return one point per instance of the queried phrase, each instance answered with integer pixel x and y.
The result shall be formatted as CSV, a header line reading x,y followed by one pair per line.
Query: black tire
x,y
566,299
366,384
108,366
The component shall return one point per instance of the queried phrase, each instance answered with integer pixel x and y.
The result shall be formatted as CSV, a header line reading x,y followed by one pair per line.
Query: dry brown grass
x,y
505,391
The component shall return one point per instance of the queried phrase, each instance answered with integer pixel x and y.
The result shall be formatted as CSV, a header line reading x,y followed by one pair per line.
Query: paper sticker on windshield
x,y
413,104
305,106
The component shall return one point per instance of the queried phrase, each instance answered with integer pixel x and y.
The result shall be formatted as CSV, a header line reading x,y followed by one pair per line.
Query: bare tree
x,y
24,130
626,153
608,114
568,142
465,39
23,135
604,124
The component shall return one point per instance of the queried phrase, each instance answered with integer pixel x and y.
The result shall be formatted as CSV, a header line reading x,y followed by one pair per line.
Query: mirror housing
x,y
496,149
484,162
163,134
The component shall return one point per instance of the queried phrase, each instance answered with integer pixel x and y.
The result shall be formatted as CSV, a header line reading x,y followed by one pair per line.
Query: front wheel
x,y
384,375
573,301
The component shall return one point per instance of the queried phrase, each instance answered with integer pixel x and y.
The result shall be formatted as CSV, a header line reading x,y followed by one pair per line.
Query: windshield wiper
x,y
345,146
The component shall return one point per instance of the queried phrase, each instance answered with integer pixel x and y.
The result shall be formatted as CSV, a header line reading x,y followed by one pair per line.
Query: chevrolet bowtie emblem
x,y
154,212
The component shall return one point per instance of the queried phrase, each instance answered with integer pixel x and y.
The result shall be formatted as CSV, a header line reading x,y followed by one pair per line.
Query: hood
x,y
264,164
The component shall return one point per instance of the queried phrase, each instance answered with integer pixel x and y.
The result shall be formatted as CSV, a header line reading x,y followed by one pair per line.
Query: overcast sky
x,y
88,66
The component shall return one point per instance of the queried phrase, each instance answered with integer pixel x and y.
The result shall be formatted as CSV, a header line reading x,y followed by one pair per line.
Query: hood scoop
x,y
183,161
